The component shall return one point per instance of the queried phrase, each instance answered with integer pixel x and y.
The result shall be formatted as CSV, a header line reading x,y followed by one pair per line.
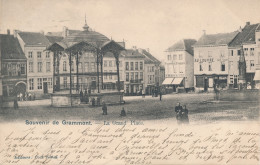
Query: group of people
x,y
84,96
182,114
25,96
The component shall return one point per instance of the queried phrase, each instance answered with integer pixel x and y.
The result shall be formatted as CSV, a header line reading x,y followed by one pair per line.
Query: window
x,y
39,54
30,54
252,64
141,76
238,52
136,65
132,75
201,69
210,66
169,57
110,75
127,76
152,68
86,66
231,52
174,69
126,65
223,67
64,66
92,67
80,66
110,64
136,76
39,66
252,51
231,79
49,83
48,66
31,84
65,82
132,65
105,63
39,83
141,65
30,67
47,54
180,57
22,68
245,51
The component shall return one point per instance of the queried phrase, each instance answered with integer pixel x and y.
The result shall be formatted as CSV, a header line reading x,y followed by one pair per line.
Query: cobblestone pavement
x,y
202,109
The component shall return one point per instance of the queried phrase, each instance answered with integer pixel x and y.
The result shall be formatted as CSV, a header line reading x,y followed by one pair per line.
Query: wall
x,y
206,55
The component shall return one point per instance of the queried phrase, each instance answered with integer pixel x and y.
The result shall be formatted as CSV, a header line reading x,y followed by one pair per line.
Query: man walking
x,y
178,110
104,108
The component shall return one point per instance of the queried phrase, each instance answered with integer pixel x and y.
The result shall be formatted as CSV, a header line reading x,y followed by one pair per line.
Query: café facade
x,y
211,62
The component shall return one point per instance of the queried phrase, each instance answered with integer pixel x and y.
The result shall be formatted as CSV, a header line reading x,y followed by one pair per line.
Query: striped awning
x,y
168,81
177,81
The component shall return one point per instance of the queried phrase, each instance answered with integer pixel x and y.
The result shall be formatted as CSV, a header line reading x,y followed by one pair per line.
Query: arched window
x,y
64,66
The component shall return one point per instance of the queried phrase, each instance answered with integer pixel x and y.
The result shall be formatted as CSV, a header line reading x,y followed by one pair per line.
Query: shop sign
x,y
201,60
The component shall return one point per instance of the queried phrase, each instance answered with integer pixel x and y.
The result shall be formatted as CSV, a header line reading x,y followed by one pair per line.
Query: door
x,y
132,89
235,83
45,87
206,84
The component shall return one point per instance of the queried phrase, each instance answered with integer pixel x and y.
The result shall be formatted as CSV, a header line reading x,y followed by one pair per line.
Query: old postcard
x,y
135,82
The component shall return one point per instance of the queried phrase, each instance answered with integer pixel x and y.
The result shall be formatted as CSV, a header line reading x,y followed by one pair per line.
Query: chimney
x,y
16,32
247,23
65,32
8,31
240,29
134,47
204,32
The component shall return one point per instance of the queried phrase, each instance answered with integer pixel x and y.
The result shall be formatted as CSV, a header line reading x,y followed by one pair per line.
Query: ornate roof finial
x,y
85,27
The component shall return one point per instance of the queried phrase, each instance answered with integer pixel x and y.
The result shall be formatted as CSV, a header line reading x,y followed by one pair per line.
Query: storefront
x,y
209,82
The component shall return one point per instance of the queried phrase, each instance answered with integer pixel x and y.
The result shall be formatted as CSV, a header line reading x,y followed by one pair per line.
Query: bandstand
x,y
78,47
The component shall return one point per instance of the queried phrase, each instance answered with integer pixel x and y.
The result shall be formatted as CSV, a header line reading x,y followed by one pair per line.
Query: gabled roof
x,y
216,39
131,53
34,38
10,47
183,45
149,58
247,35
53,39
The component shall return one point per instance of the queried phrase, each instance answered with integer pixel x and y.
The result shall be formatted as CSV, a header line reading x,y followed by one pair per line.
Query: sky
x,y
153,24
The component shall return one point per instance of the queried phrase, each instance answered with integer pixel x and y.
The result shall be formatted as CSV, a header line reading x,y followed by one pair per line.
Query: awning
x,y
167,81
257,75
177,81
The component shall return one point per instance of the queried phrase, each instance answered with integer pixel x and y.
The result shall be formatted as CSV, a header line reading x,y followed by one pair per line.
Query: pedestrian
x,y
123,113
216,90
143,93
184,115
160,96
93,101
15,103
178,110
104,108
81,96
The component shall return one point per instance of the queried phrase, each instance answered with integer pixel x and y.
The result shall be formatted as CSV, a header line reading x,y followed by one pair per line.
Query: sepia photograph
x,y
117,82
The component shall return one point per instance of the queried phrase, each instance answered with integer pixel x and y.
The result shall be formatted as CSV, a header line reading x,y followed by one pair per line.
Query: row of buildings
x,y
213,60
28,66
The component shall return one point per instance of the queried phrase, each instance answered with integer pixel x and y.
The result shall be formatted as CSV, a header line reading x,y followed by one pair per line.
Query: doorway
x,y
45,87
206,84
